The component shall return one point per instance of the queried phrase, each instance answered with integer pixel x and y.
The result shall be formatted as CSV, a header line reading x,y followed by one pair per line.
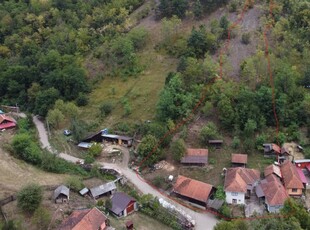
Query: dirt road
x,y
204,221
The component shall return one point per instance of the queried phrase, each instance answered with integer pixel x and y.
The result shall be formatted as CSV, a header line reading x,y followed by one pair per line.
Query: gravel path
x,y
204,221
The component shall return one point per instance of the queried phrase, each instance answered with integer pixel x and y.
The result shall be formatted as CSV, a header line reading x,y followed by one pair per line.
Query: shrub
x,y
178,149
235,143
75,183
106,108
30,197
41,218
208,132
225,211
95,150
82,99
89,159
245,38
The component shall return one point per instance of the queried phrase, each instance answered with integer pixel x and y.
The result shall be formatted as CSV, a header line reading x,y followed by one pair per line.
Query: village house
x,y
122,204
291,179
272,192
239,160
105,189
90,219
303,169
216,143
117,139
192,190
239,183
197,157
6,122
271,150
61,194
273,169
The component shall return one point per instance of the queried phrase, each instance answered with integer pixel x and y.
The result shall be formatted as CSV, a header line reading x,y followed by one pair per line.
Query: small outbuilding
x,y
121,140
129,225
239,160
61,194
6,122
105,189
122,204
195,157
216,143
84,191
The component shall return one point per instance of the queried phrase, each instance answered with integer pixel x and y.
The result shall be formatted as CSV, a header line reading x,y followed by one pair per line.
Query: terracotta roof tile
x,y
192,188
272,169
90,219
197,152
274,192
239,158
237,179
290,175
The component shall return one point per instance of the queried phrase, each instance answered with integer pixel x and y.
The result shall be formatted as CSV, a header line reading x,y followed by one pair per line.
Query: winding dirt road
x,y
204,221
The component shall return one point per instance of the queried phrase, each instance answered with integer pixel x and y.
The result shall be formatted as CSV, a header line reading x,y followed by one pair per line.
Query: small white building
x,y
239,183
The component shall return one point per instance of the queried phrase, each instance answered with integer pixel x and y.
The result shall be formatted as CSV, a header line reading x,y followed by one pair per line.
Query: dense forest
x,y
44,44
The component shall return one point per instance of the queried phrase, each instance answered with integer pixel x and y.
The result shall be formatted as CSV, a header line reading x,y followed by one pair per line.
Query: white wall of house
x,y
235,197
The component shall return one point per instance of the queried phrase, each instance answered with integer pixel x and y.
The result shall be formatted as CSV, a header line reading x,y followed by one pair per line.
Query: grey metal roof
x,y
195,159
120,202
259,191
215,204
61,190
85,145
125,138
84,191
102,189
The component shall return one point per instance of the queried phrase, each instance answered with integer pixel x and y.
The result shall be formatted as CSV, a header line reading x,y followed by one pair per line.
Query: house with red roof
x,y
273,193
197,157
291,179
6,122
90,219
239,160
239,183
192,190
273,170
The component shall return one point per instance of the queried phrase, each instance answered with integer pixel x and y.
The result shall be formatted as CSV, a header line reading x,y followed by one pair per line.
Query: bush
x,y
208,132
41,218
225,211
106,108
245,38
82,99
30,197
95,150
235,143
89,159
75,183
178,149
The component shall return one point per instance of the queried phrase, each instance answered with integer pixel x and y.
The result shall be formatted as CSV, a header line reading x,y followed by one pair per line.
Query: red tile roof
x,y
90,219
272,169
237,179
302,175
192,188
7,125
290,175
274,192
276,148
239,158
197,152
6,118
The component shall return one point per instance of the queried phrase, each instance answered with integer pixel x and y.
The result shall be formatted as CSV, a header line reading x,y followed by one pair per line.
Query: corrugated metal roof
x,y
102,189
85,145
194,160
215,204
84,191
125,138
61,190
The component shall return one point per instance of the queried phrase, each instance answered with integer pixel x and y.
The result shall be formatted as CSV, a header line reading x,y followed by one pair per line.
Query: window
x,y
234,194
294,189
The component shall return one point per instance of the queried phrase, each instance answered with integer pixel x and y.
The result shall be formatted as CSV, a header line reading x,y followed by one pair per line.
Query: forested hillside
x,y
63,49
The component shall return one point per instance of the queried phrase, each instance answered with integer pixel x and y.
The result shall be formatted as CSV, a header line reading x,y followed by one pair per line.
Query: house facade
x,y
291,179
240,183
235,197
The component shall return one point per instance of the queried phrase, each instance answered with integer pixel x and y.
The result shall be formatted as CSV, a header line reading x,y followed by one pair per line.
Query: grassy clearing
x,y
140,221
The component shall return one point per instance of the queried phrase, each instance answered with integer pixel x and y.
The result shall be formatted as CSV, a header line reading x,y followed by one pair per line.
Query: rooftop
x,y
238,179
102,189
290,175
192,188
120,202
125,138
61,190
272,169
90,219
239,158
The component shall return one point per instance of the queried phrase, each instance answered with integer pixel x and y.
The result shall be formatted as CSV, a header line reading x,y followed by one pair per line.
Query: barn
x,y
122,204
